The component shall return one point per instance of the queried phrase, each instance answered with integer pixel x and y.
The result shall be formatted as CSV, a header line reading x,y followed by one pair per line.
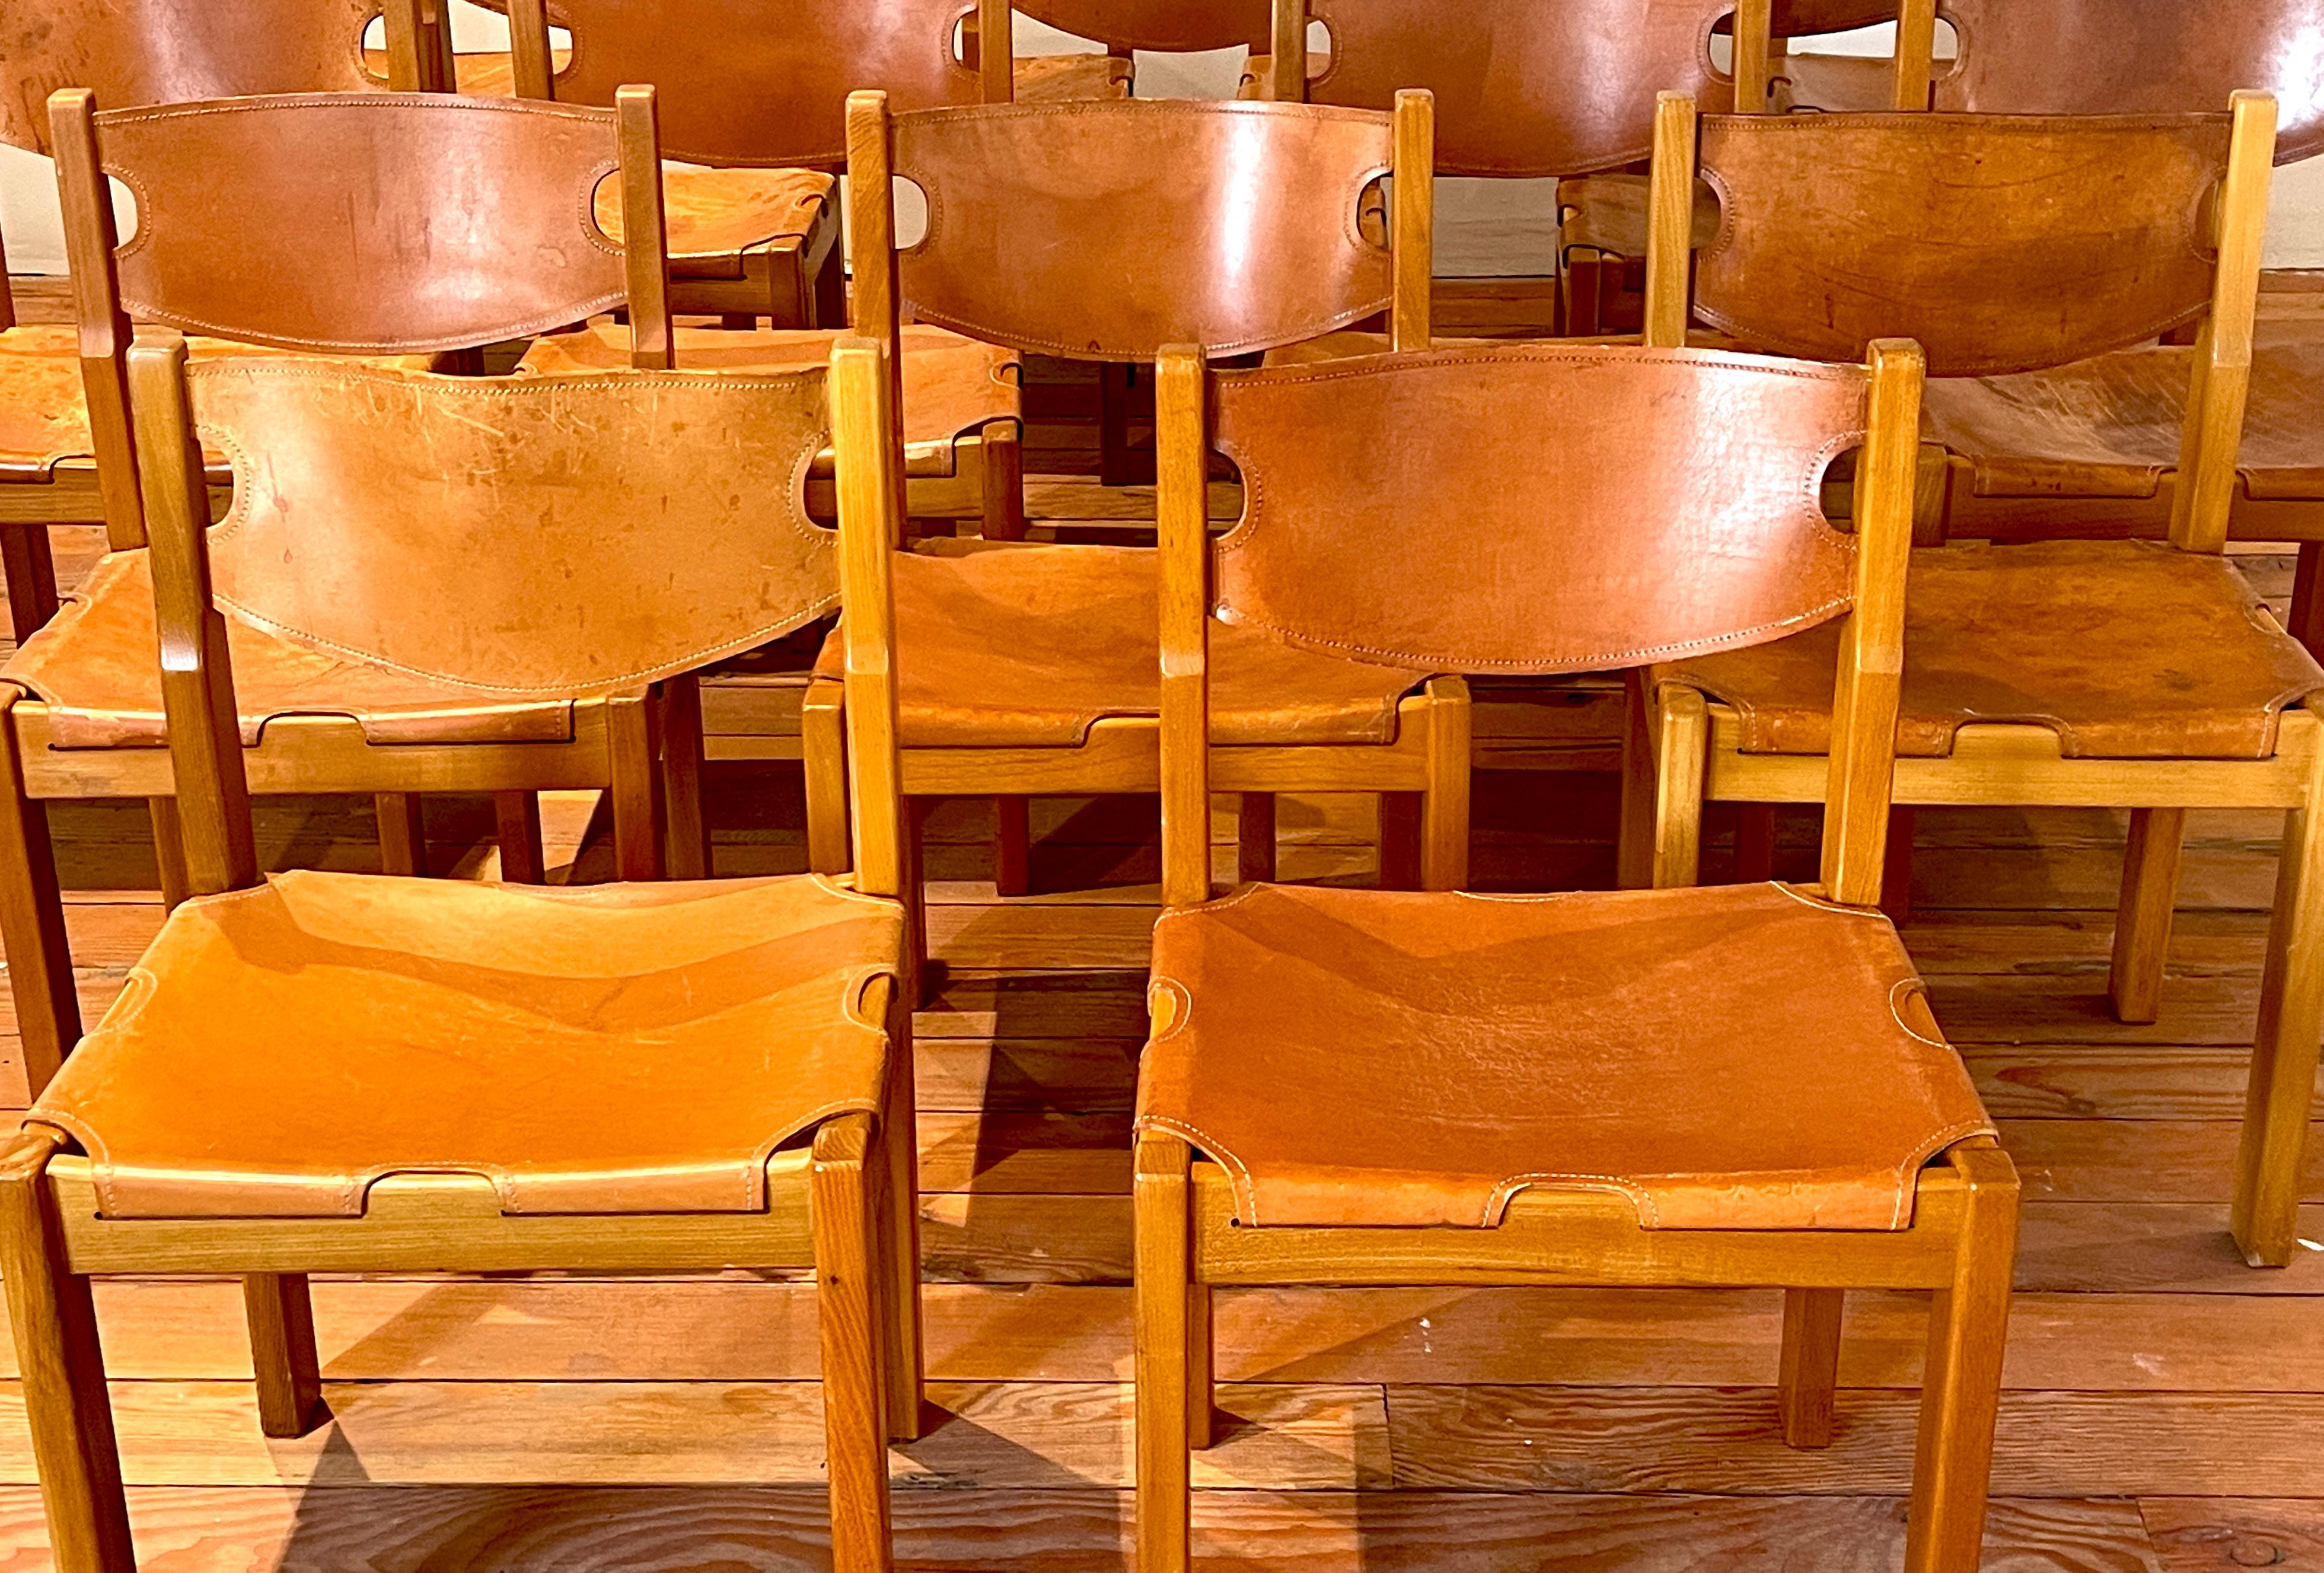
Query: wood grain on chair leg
x,y
1255,838
1961,1392
1202,1380
1012,846
32,577
61,1372
823,756
2277,1102
1810,1364
854,1406
2141,924
403,833
633,767
899,1231
688,856
32,921
518,817
1163,1259
281,1319
1681,724
1634,842
1002,454
1444,807
169,851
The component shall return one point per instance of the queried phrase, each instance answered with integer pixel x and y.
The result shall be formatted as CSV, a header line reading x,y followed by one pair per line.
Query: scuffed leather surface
x,y
620,1048
1025,646
1065,79
44,416
1727,1057
2110,426
364,223
713,215
2126,650
135,52
1121,227
2001,242
1165,26
952,385
1538,508
1523,87
2104,56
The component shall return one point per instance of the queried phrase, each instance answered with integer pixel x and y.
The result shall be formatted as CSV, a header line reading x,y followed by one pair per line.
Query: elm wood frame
x,y
1961,1242
831,1205
1686,748
1121,755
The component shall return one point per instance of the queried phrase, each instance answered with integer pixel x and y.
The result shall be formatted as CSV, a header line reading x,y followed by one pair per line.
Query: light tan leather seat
x,y
625,1048
1025,646
2052,634
1739,1056
43,413
712,216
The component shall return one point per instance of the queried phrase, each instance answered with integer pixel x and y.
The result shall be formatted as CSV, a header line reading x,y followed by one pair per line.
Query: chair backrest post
x,y
1863,759
645,246
996,52
2210,439
1670,220
91,240
1183,542
1411,240
213,795
418,46
875,304
870,519
1287,63
1916,50
1754,25
529,64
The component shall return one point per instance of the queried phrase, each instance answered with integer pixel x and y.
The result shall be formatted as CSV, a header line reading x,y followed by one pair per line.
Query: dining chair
x,y
472,230
362,1073
135,52
2101,674
1027,670
1732,1085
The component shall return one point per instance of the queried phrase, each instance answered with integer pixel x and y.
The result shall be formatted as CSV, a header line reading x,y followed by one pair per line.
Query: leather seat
x,y
1002,646
43,413
96,663
2067,634
711,218
626,1048
1737,1057
1040,79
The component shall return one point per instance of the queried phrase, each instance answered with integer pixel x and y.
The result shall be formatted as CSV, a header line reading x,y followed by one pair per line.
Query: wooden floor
x,y
2166,1409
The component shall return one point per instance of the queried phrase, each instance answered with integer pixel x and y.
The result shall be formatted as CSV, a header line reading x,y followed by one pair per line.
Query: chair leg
x,y
855,1405
1634,842
1755,843
823,758
2142,923
1681,722
1960,1393
899,1234
2269,1159
634,770
32,578
403,833
1255,838
61,1372
169,851
1165,1421
282,1318
1002,455
523,860
1012,846
1400,829
32,921
1444,807
1810,1364
688,856
1897,866
1113,467
1202,1383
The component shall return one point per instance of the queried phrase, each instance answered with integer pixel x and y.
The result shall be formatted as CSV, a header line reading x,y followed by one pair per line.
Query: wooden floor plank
x,y
2194,1535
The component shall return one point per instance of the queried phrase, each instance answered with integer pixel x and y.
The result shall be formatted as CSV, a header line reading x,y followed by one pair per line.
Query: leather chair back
x,y
2105,57
1535,508
1165,26
2002,243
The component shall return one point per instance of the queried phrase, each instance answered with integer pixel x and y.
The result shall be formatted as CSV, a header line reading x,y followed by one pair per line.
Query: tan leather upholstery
x,y
43,417
135,52
1107,231
1165,26
1025,646
450,190
1729,1057
2109,426
2000,243
952,385
1689,475
1522,88
625,1049
1069,78
2127,649
2101,57
712,216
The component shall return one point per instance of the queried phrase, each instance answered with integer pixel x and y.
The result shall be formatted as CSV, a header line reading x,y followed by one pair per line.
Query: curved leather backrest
x,y
1802,18
527,535
366,223
763,82
1109,230
1524,87
1171,26
1542,508
2002,243
2113,57
132,52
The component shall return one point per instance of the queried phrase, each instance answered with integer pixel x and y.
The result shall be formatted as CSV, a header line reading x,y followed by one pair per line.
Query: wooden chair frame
x,y
643,748
1961,1242
1426,768
842,1205
1686,748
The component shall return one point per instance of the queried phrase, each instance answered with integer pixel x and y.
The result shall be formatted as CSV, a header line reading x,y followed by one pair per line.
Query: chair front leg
x,y
2142,923
1444,807
1810,1367
61,1372
847,1297
633,769
1960,1392
169,852
403,833
1001,451
2270,1156
281,1317
1012,846
1164,1259
32,919
1682,722
687,854
517,816
823,757
900,1226
31,576
1255,838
